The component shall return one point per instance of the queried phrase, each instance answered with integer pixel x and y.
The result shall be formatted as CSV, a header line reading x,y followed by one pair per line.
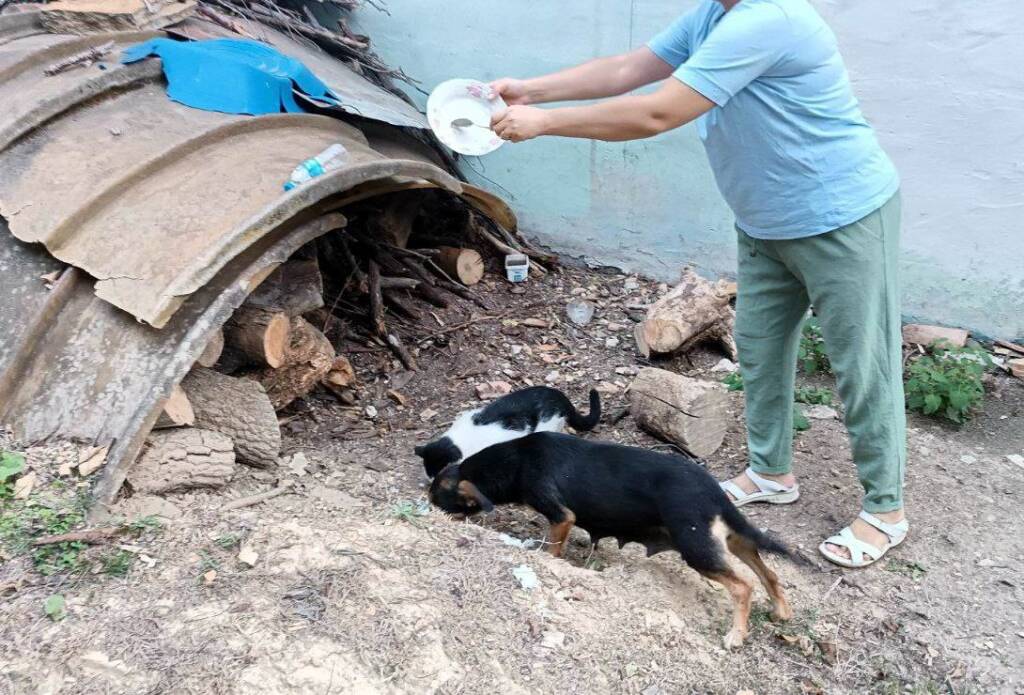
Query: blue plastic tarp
x,y
232,75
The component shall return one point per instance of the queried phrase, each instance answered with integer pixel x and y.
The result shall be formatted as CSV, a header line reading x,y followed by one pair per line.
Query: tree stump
x,y
695,310
464,265
183,459
308,359
688,412
238,408
261,336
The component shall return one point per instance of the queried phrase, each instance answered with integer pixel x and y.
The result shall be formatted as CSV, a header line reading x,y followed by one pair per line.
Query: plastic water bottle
x,y
331,158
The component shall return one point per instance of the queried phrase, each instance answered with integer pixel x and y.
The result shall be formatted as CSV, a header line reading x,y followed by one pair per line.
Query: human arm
x,y
631,117
596,79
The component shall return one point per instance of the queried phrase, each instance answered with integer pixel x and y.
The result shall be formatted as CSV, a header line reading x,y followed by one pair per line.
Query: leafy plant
x,y
229,540
54,607
947,383
733,381
800,421
813,395
812,356
11,464
143,524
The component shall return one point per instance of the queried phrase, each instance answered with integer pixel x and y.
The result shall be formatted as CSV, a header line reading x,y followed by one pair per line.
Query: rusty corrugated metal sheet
x,y
168,216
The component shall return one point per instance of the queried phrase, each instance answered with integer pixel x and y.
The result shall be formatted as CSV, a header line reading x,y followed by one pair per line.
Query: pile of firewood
x,y
372,285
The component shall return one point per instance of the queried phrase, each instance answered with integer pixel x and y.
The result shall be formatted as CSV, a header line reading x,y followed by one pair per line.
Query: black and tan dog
x,y
665,502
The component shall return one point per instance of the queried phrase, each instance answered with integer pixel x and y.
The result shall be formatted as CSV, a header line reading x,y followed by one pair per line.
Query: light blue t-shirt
x,y
791,151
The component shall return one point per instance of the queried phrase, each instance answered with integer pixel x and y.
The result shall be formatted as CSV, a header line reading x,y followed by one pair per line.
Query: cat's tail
x,y
584,423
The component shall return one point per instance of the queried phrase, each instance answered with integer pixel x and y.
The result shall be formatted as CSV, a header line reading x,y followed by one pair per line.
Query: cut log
x,y
238,408
1016,367
295,288
1011,347
919,334
695,310
177,410
690,413
261,336
183,459
465,265
213,350
308,359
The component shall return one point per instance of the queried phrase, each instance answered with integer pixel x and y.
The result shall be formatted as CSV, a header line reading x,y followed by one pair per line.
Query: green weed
x,y
800,421
118,564
813,395
812,356
947,383
733,381
907,568
229,540
409,511
54,607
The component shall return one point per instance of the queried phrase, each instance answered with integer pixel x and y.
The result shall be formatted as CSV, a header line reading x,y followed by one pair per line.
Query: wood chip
x,y
91,460
23,486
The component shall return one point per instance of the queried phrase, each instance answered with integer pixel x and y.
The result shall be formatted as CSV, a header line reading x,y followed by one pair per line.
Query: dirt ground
x,y
359,587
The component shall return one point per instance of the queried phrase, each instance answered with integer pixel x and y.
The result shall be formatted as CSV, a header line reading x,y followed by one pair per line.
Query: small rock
x,y
536,323
652,690
428,414
552,376
90,460
611,343
630,284
821,412
493,389
616,327
969,460
986,562
515,349
607,387
1016,459
526,577
23,486
370,411
552,639
209,576
626,371
248,556
631,669
725,365
298,464
580,312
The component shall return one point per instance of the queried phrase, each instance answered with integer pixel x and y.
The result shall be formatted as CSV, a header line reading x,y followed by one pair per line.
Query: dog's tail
x,y
579,422
739,525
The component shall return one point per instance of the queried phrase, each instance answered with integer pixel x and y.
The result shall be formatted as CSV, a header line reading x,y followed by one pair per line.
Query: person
x,y
817,210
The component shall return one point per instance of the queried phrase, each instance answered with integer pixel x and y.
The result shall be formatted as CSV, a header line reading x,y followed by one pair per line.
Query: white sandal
x,y
767,491
863,553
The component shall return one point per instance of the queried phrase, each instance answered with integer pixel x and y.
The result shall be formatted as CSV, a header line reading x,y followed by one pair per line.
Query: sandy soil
x,y
360,588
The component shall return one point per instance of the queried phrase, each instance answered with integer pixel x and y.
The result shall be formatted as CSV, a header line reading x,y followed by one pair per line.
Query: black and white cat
x,y
534,409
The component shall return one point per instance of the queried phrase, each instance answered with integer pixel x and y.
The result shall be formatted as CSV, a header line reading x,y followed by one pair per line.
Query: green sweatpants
x,y
850,277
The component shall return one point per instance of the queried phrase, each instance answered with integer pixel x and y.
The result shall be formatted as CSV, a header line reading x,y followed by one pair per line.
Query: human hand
x,y
519,123
513,91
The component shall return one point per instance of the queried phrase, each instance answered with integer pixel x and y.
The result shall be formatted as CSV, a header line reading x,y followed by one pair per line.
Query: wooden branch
x,y
403,353
376,315
260,335
389,283
251,500
92,536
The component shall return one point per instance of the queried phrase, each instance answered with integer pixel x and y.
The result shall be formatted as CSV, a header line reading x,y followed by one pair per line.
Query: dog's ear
x,y
469,491
420,450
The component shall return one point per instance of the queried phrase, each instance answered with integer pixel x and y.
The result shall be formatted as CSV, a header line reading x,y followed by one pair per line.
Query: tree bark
x,y
261,336
695,310
183,459
238,408
688,412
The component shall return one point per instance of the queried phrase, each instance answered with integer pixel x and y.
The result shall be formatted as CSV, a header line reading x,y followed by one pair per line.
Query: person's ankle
x,y
786,478
895,516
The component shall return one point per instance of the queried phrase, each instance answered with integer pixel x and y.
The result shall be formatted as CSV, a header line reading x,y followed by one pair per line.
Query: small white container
x,y
517,267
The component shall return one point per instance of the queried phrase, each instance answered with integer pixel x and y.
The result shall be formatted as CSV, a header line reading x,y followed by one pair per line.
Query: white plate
x,y
464,99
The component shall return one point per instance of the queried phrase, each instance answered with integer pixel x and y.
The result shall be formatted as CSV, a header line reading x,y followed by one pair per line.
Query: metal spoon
x,y
465,123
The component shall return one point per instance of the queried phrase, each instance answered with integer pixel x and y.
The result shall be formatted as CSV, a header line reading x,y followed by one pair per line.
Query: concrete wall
x,y
941,81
